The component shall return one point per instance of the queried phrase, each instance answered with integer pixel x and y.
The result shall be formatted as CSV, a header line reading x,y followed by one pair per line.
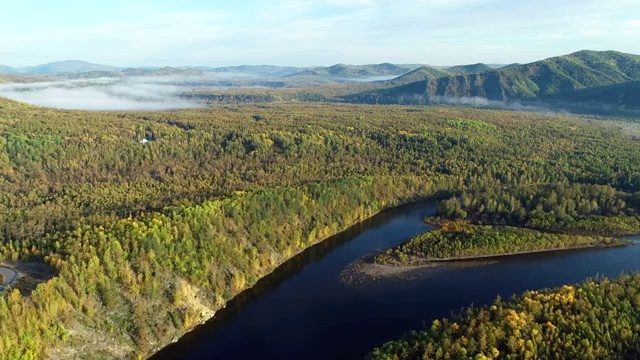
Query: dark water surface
x,y
304,311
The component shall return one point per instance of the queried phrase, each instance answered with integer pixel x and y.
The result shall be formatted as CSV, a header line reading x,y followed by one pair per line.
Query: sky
x,y
311,32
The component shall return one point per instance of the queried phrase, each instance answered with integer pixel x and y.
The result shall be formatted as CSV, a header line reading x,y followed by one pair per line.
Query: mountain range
x,y
83,69
585,76
594,79
342,71
67,66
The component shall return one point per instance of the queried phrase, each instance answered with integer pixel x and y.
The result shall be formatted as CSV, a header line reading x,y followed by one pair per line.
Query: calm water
x,y
304,311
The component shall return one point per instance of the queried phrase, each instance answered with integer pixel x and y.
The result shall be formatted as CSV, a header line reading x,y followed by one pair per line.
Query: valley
x,y
122,222
152,200
342,179
588,82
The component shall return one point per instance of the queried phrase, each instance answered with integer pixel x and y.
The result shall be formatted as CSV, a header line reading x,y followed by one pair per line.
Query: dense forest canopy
x,y
575,208
460,240
150,237
598,319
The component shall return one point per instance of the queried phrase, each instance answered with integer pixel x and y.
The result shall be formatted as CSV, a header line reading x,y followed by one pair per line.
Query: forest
x,y
461,240
485,220
148,238
573,208
597,319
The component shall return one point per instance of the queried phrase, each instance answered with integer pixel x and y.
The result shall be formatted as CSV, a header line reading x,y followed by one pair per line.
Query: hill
x,y
622,97
7,70
165,71
68,66
346,72
544,80
468,69
90,75
510,66
254,70
419,74
431,73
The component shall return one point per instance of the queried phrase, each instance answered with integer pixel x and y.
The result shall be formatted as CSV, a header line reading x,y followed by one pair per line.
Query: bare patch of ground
x,y
86,342
364,271
194,301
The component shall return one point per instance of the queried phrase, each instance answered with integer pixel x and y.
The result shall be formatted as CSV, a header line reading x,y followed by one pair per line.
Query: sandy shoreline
x,y
365,270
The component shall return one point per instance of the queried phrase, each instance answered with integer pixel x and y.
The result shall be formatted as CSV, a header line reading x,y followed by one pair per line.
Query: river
x,y
8,275
304,311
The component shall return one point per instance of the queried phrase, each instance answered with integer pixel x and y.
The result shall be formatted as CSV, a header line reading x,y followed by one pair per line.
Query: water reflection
x,y
304,311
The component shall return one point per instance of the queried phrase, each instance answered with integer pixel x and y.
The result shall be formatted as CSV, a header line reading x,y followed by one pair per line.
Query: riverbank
x,y
301,300
365,271
320,246
433,262
459,240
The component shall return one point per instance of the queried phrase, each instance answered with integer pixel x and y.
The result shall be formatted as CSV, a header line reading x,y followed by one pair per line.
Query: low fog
x,y
369,79
140,93
473,101
482,102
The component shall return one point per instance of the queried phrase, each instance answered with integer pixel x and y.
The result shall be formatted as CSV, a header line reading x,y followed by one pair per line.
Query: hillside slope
x,y
165,71
468,69
625,95
68,66
342,71
255,70
4,69
543,80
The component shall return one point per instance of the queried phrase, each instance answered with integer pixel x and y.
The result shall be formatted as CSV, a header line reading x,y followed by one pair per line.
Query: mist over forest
x,y
136,93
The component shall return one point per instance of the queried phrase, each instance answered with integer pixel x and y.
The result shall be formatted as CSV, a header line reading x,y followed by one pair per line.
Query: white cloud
x,y
633,23
314,32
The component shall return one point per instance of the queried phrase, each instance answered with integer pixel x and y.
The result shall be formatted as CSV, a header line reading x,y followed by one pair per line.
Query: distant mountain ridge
x,y
7,70
593,78
257,70
567,77
164,71
82,69
419,74
343,71
76,69
430,72
468,69
67,66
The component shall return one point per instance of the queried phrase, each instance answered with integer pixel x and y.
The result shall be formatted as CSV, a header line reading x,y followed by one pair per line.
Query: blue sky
x,y
312,32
